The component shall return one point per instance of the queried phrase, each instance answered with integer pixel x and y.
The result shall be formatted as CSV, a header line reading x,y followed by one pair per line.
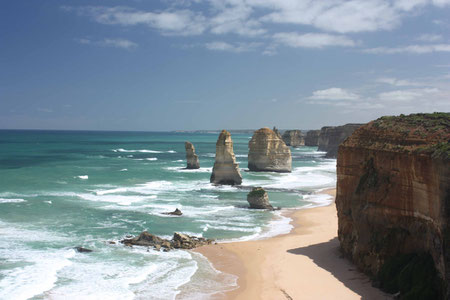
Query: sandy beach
x,y
304,264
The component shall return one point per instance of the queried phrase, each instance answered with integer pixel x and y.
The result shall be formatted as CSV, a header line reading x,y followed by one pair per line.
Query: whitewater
x,y
62,189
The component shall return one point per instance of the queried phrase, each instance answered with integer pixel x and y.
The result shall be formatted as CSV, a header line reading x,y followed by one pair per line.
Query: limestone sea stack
x,y
393,203
312,138
225,170
293,138
259,199
267,152
191,157
332,136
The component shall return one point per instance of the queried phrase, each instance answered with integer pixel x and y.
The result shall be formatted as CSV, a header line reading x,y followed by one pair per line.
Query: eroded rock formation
x,y
267,152
312,138
332,136
259,199
393,203
293,138
191,157
179,241
225,170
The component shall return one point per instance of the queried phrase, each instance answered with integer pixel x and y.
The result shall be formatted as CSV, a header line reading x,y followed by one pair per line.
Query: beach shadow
x,y
327,256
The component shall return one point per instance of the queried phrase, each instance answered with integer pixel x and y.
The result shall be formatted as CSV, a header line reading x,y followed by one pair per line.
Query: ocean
x,y
62,189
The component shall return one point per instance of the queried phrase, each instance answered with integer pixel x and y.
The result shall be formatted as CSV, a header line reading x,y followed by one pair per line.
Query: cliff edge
x,y
393,203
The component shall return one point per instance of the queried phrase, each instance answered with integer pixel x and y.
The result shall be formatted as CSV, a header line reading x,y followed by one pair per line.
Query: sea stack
x,y
191,157
225,170
332,136
259,199
267,152
293,138
393,203
312,138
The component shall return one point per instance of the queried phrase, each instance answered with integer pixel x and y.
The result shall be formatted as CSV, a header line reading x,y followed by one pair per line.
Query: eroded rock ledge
x,y
393,203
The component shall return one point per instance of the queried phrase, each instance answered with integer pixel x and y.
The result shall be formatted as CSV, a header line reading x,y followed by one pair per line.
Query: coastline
x,y
303,264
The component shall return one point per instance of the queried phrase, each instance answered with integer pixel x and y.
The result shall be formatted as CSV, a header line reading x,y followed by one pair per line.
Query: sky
x,y
157,65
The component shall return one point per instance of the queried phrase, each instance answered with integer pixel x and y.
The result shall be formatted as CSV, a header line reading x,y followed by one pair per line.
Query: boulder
x,y
312,138
293,138
179,241
176,212
191,157
144,239
225,170
267,152
259,199
82,250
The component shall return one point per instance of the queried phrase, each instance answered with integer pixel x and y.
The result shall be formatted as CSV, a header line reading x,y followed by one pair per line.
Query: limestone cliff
x,y
191,157
267,152
312,138
225,170
293,138
393,203
331,137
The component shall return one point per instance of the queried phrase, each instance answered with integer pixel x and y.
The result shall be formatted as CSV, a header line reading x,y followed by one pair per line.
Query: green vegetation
x,y
257,192
413,275
425,133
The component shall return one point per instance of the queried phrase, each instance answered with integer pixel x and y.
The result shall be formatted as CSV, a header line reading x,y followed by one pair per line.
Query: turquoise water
x,y
63,189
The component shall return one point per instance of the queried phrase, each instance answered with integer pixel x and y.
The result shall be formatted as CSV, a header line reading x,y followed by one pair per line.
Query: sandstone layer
x,y
225,170
312,138
393,203
332,136
293,138
191,157
267,152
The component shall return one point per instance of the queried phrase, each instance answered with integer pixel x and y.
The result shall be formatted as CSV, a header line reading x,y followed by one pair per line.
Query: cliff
x,y
312,138
293,138
225,170
393,203
267,152
191,157
331,137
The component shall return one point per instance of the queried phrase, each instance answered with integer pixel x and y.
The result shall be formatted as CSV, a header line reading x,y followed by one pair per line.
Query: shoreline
x,y
303,264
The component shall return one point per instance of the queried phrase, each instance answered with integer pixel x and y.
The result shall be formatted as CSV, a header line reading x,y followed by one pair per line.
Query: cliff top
x,y
422,133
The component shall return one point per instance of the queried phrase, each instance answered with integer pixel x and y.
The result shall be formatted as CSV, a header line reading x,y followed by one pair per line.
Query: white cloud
x,y
237,48
427,37
183,22
397,82
407,95
115,43
312,40
415,49
334,94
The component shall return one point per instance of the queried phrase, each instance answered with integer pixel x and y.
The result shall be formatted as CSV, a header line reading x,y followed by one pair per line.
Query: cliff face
x,y
332,136
293,138
267,152
191,157
393,200
312,138
225,170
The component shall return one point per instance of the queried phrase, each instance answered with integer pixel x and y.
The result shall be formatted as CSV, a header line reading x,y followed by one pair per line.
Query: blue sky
x,y
210,64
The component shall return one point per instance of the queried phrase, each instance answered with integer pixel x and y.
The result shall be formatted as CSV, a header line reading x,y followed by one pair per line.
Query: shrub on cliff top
x,y
257,192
